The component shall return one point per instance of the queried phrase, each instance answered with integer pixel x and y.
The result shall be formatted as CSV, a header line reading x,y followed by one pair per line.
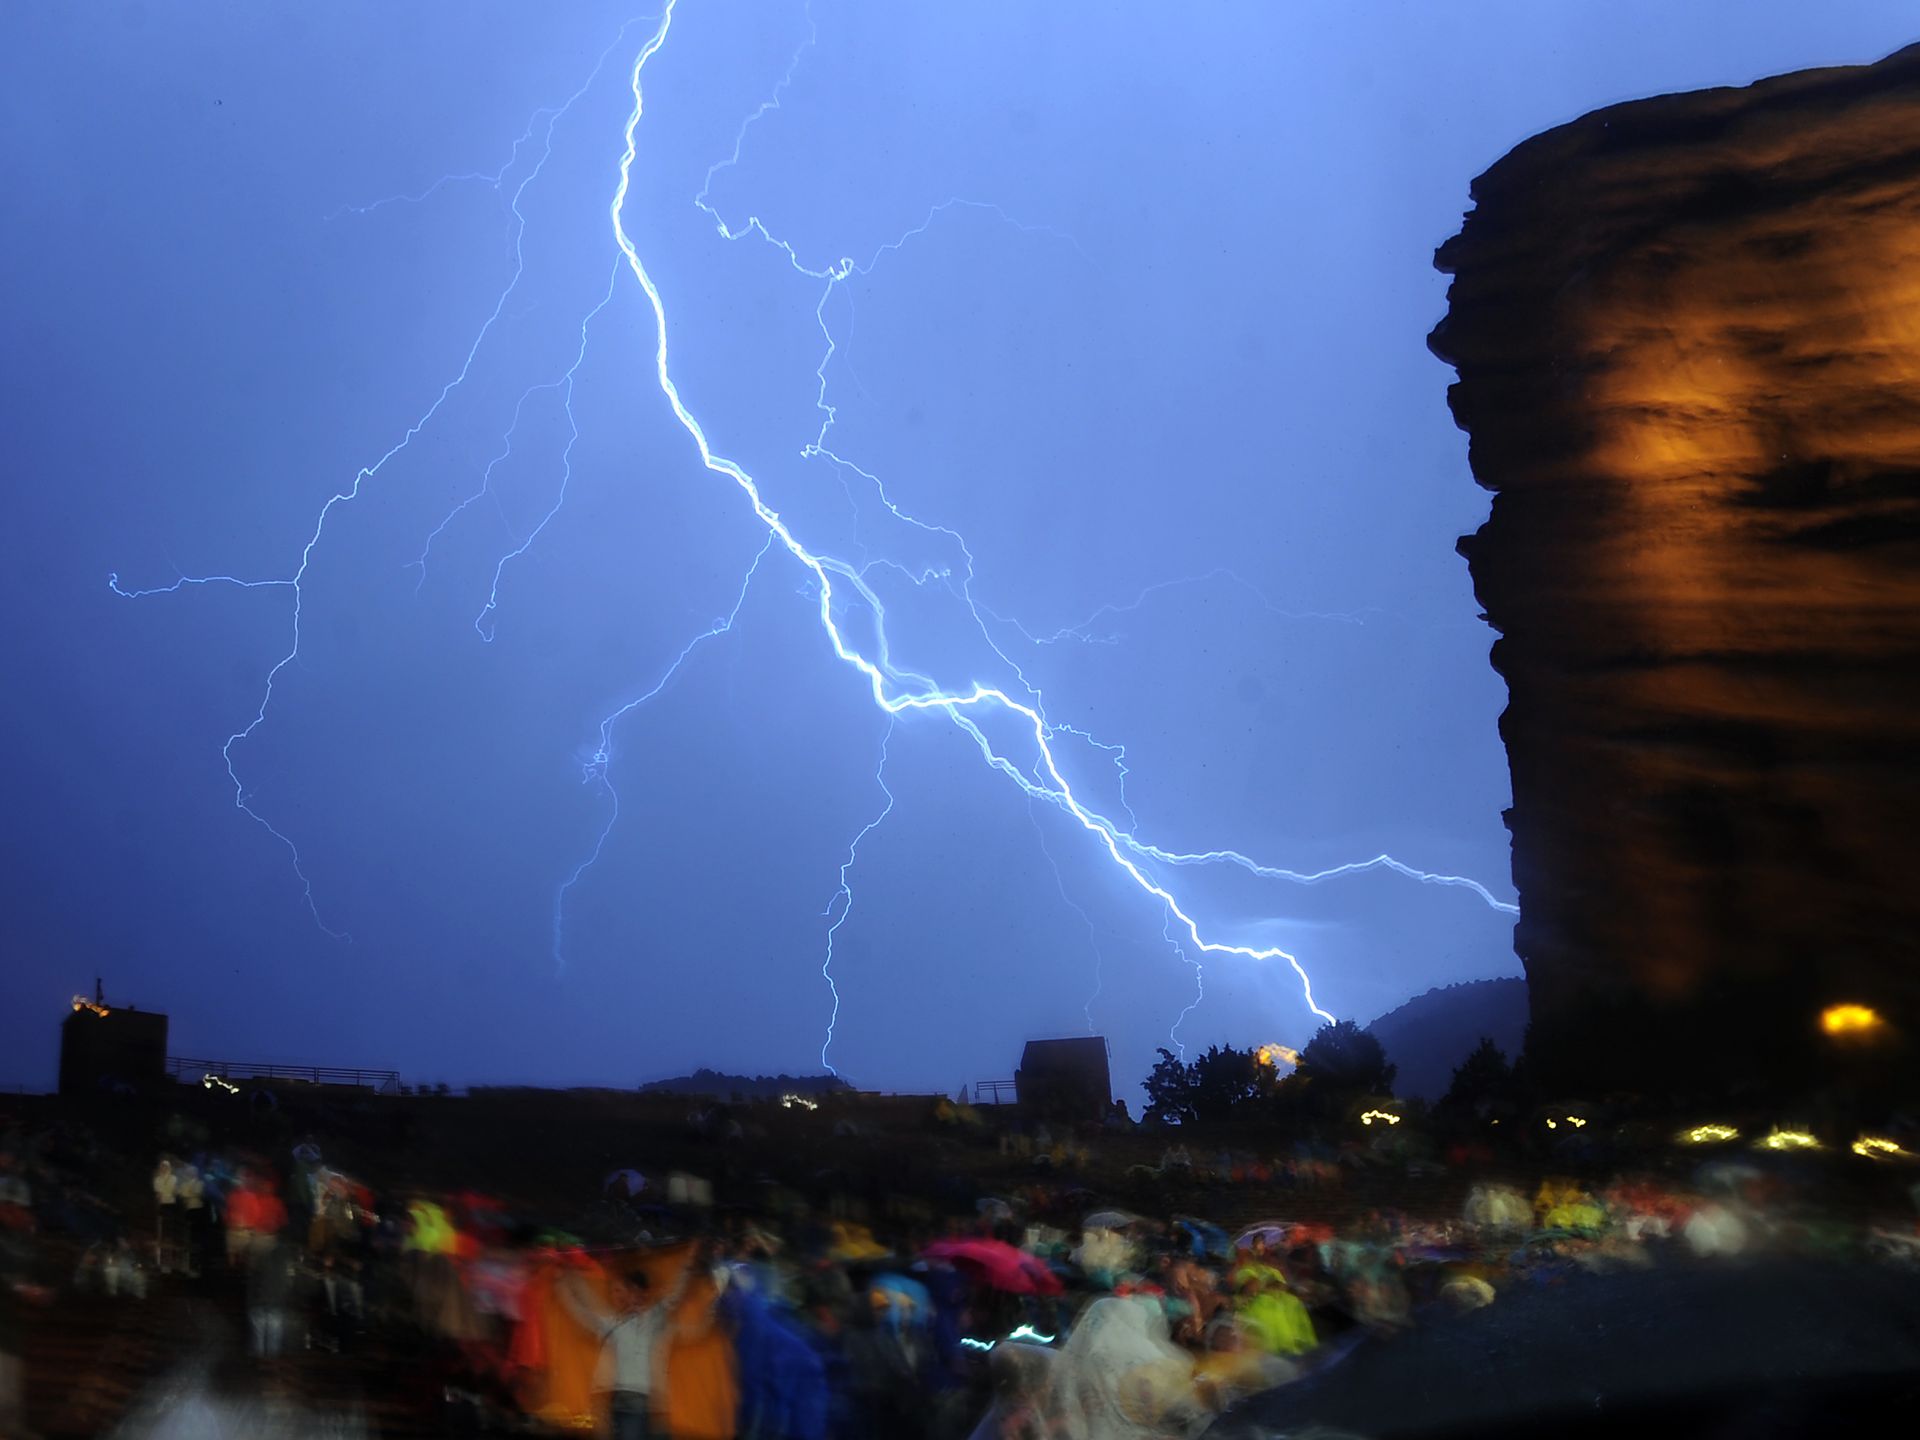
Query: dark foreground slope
x,y
1771,1348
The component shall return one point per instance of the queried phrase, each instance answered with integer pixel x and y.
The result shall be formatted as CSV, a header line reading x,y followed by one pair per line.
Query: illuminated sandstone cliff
x,y
1687,332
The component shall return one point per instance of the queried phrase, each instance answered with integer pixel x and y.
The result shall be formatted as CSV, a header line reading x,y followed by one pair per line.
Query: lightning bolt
x,y
1199,984
1315,877
836,587
843,897
885,685
1093,933
899,692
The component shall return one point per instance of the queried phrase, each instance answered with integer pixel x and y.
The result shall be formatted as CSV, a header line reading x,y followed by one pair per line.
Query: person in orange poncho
x,y
553,1355
700,1396
695,1393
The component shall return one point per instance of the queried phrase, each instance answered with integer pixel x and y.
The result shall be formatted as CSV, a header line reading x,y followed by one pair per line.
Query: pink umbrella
x,y
996,1263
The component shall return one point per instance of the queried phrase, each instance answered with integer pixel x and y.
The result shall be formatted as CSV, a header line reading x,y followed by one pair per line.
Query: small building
x,y
1068,1079
105,1047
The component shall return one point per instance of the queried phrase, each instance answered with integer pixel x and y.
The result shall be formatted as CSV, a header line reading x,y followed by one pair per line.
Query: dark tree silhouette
x,y
1482,1077
1170,1090
1342,1056
1225,1080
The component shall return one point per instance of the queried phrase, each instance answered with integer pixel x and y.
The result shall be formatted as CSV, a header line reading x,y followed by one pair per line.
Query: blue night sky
x,y
1160,370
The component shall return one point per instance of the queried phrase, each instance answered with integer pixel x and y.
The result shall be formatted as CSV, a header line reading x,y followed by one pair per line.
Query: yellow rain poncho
x,y
1277,1322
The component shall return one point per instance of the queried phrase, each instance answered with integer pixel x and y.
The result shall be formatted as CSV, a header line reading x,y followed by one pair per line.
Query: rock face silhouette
x,y
1687,333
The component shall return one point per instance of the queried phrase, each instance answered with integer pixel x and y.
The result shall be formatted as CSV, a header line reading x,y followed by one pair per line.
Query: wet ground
x,y
176,1365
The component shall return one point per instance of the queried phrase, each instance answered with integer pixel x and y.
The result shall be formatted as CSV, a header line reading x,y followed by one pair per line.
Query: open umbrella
x,y
1274,1232
998,1264
1109,1220
1207,1239
624,1182
908,1302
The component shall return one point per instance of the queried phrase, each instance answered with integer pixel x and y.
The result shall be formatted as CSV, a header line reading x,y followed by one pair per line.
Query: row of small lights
x,y
1387,1117
1870,1147
1837,1019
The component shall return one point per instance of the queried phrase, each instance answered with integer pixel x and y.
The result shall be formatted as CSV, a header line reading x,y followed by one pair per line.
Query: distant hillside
x,y
756,1087
1432,1033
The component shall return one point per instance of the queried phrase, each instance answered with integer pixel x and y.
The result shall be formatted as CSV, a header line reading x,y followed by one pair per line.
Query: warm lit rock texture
x,y
1687,331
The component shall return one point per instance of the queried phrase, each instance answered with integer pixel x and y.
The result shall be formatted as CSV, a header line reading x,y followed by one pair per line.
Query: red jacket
x,y
272,1215
243,1209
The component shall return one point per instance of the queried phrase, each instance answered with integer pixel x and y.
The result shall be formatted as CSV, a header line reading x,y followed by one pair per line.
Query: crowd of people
x,y
1010,1322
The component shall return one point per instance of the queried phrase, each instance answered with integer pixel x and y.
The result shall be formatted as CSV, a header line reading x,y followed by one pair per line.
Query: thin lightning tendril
x,y
1093,933
486,484
843,897
1199,985
1117,758
366,473
483,623
1083,630
113,584
599,766
493,178
552,114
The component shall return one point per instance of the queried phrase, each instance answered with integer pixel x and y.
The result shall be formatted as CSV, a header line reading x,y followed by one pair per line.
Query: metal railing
x,y
995,1092
384,1082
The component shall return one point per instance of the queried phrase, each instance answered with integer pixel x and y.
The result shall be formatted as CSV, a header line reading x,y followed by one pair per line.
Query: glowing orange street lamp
x,y
1850,1019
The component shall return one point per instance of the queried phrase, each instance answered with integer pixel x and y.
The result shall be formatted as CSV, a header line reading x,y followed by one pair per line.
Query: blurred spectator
x,y
270,1291
631,1365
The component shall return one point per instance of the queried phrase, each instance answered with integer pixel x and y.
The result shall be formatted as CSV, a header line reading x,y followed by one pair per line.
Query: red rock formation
x,y
1687,331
